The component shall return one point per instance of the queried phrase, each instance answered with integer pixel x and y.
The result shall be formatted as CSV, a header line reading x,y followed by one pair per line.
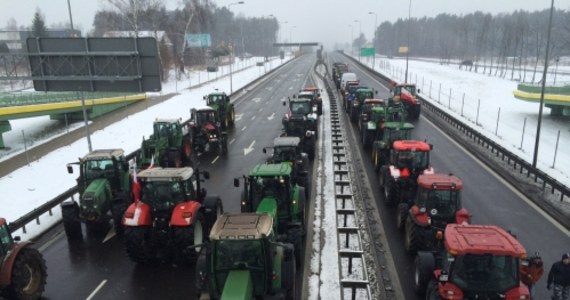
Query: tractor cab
x,y
317,101
411,155
6,240
108,164
439,196
166,139
244,261
289,149
203,116
477,262
217,98
406,94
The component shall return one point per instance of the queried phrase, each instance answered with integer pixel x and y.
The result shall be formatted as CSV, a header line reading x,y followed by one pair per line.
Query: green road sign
x,y
367,51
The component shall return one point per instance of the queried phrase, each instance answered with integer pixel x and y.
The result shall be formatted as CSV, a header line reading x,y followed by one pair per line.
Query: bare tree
x,y
132,10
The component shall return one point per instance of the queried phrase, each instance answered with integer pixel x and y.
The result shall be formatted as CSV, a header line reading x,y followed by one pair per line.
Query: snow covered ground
x,y
487,102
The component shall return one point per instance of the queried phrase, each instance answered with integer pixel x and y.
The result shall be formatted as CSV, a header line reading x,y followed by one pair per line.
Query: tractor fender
x,y
449,288
137,214
462,216
6,271
418,217
183,213
517,292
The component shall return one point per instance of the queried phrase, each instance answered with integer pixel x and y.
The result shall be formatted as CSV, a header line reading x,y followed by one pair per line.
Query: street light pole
x,y
359,37
351,39
535,156
374,37
408,46
70,17
232,50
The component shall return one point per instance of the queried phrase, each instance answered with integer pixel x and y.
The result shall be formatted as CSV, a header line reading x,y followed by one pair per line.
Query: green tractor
x,y
169,145
104,192
288,149
223,107
243,260
299,126
385,136
355,105
270,189
23,268
374,114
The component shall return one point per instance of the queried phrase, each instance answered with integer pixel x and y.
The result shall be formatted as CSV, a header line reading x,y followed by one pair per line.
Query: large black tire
x,y
390,187
353,115
289,275
402,212
366,139
71,222
302,204
188,236
424,264
202,278
232,117
311,149
29,275
138,244
432,292
414,238
213,208
295,237
118,210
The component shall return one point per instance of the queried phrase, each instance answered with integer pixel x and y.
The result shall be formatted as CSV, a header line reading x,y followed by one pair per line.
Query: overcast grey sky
x,y
325,21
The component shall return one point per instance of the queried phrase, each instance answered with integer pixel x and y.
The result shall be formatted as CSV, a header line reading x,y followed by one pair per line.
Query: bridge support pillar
x,y
4,127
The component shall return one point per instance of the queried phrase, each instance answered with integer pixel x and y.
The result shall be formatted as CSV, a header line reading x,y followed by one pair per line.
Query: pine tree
x,y
39,28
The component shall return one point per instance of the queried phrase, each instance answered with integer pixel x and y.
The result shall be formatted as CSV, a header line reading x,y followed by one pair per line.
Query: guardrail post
x,y
423,82
430,88
449,101
498,117
25,147
462,104
439,95
478,107
522,137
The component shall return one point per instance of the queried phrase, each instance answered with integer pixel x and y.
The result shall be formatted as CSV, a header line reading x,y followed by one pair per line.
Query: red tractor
x,y
476,262
436,204
23,272
172,215
408,160
406,93
317,100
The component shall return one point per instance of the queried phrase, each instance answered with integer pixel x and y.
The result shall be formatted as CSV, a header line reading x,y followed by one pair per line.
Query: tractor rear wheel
x,y
424,264
188,236
295,237
213,209
391,189
29,274
414,238
401,215
138,244
71,223
232,117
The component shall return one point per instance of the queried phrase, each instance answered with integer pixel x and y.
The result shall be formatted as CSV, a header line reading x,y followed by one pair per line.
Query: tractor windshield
x,y
215,100
485,273
416,160
205,117
240,254
361,95
296,128
101,168
284,153
6,239
164,195
300,107
397,135
440,203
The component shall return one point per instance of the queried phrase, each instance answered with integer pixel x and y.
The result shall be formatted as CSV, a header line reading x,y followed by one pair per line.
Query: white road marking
x,y
232,141
215,159
243,128
96,290
247,150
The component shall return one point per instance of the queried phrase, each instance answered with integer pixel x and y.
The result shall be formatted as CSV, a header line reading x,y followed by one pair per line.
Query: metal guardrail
x,y
512,159
354,280
34,215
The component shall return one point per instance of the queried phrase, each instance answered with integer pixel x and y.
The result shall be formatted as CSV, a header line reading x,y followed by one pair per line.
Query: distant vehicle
x,y
212,67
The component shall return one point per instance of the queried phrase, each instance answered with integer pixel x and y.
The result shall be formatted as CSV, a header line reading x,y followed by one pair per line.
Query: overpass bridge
x,y
59,106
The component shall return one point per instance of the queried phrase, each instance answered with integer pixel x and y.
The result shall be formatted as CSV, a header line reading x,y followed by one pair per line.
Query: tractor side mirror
x,y
17,238
418,91
264,150
69,169
284,104
206,174
236,182
204,97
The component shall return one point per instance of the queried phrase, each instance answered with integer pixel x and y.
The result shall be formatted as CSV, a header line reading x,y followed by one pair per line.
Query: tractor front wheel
x,y
138,244
71,223
29,274
414,238
424,263
232,117
401,215
185,237
295,237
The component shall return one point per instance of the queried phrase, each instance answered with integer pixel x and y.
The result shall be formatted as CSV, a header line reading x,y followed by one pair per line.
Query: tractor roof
x,y
241,226
440,182
374,101
204,109
399,125
217,93
408,145
405,84
311,89
103,154
306,94
2,221
378,109
266,170
286,141
166,120
481,239
165,174
364,89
